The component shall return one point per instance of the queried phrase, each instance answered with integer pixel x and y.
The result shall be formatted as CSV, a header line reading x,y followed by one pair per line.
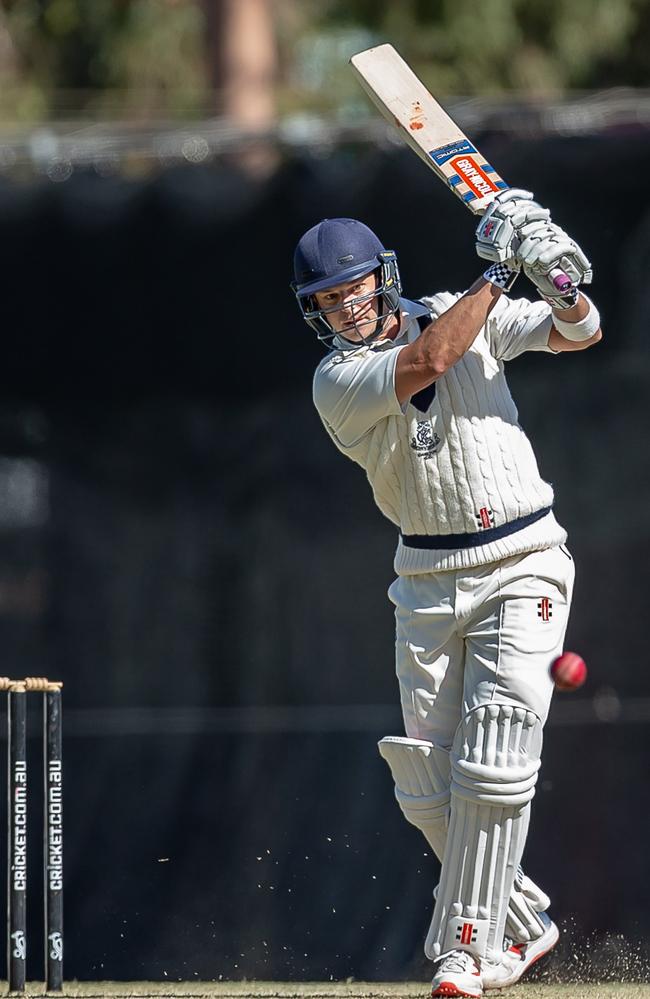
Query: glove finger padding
x,y
538,251
545,284
564,257
546,251
521,214
512,194
518,210
544,243
535,229
498,234
546,259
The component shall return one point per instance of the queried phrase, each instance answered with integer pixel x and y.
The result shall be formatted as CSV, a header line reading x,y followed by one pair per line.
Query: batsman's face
x,y
351,308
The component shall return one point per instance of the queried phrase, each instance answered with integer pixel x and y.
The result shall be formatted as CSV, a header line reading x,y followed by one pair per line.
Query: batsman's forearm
x,y
444,342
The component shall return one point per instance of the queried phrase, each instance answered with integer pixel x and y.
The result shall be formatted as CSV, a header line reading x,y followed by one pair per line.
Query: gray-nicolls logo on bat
x,y
56,946
19,949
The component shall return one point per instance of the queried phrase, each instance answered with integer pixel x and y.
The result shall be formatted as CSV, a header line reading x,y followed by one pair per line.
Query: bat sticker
x,y
475,176
445,153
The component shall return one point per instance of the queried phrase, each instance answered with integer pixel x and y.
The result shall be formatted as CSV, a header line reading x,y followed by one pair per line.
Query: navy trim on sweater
x,y
422,400
473,538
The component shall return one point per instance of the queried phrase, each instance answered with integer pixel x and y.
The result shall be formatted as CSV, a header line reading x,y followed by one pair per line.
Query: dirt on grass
x,y
331,990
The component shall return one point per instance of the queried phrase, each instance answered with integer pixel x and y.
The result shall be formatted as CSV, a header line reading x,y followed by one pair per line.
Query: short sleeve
x,y
517,325
437,304
354,391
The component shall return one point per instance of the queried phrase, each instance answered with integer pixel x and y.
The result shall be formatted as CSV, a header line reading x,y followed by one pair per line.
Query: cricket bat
x,y
404,100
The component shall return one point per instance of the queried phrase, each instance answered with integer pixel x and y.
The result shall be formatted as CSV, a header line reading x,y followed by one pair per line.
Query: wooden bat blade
x,y
404,101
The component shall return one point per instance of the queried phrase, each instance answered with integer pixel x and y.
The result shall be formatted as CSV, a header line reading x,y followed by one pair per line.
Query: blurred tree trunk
x,y
8,56
243,60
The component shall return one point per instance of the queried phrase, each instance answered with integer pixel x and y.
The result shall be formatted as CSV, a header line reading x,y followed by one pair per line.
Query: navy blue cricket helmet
x,y
337,251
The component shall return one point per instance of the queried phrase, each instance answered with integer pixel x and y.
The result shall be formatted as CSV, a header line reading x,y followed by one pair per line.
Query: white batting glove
x,y
497,234
553,262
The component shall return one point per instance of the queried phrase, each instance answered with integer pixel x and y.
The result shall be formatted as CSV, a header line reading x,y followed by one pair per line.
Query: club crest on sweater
x,y
426,441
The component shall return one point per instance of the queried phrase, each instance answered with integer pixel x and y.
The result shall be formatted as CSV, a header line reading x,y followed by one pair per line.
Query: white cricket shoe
x,y
518,958
457,974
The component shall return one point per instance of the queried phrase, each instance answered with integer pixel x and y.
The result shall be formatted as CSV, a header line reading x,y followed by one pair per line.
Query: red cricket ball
x,y
569,671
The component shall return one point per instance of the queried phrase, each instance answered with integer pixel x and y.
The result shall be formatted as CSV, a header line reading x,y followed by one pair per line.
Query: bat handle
x,y
561,280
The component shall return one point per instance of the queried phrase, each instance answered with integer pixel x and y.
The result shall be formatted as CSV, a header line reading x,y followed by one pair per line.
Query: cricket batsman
x,y
415,392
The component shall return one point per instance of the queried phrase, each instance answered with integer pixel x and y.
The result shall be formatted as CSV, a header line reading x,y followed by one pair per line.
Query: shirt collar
x,y
409,312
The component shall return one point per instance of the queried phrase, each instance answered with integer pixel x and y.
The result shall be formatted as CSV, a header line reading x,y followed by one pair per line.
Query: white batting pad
x,y
422,775
495,759
523,923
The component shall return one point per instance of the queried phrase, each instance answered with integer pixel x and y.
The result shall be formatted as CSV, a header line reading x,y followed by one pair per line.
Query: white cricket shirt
x,y
457,475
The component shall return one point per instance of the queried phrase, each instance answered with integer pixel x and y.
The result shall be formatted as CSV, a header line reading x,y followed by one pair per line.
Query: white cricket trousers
x,y
467,637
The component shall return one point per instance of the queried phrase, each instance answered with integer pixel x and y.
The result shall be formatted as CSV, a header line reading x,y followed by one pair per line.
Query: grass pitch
x,y
329,990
